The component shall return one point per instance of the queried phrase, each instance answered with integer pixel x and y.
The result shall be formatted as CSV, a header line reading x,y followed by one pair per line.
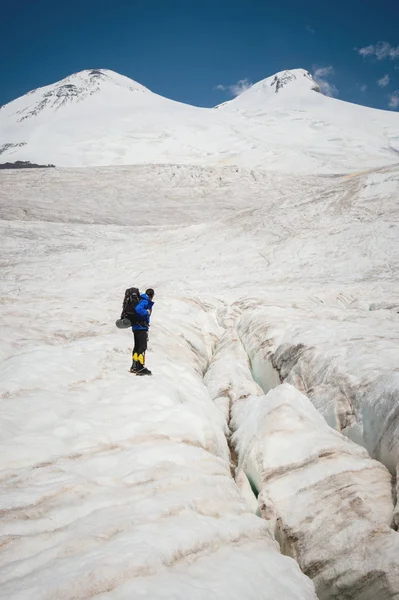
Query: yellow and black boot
x,y
141,368
135,364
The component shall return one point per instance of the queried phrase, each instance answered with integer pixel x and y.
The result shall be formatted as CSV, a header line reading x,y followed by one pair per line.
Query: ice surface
x,y
118,486
121,487
344,361
113,486
331,505
313,483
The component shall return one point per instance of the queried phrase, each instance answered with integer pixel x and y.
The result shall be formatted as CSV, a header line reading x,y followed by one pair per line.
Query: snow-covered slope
x,y
116,487
292,85
98,117
289,111
198,482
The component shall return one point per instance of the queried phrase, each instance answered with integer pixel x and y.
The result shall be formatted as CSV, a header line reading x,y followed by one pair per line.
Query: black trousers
x,y
140,345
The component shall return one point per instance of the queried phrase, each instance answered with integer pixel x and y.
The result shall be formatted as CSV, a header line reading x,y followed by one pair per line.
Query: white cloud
x,y
394,100
327,88
320,75
236,88
380,50
384,81
322,72
241,86
363,87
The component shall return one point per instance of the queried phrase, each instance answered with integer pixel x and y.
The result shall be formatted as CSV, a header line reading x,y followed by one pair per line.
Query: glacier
x,y
261,459
331,505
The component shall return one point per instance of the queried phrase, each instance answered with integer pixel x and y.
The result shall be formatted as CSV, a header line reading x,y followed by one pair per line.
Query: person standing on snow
x,y
140,332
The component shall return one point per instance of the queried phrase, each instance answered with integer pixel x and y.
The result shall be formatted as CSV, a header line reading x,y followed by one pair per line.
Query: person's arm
x,y
141,309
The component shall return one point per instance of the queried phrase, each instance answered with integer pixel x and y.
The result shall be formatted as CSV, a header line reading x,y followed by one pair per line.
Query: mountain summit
x,y
278,88
294,82
72,89
99,117
303,79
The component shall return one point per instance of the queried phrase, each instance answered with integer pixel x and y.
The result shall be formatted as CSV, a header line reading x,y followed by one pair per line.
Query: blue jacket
x,y
143,306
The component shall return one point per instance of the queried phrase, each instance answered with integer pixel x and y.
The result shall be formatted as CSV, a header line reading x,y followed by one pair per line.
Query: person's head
x,y
150,293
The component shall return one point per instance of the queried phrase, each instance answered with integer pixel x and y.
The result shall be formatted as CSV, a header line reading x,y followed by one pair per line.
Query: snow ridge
x,y
282,79
74,88
98,118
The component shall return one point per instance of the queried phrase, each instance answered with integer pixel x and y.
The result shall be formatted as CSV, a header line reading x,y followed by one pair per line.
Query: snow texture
x,y
273,264
312,483
331,505
352,385
144,508
98,117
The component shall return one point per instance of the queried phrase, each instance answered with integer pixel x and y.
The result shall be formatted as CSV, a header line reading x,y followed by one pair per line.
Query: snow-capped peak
x,y
294,81
289,84
73,89
94,79
284,78
99,117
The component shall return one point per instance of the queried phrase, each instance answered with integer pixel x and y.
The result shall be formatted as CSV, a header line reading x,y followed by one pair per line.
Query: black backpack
x,y
131,300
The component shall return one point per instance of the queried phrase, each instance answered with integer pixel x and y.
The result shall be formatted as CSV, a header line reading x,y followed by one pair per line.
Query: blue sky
x,y
199,51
